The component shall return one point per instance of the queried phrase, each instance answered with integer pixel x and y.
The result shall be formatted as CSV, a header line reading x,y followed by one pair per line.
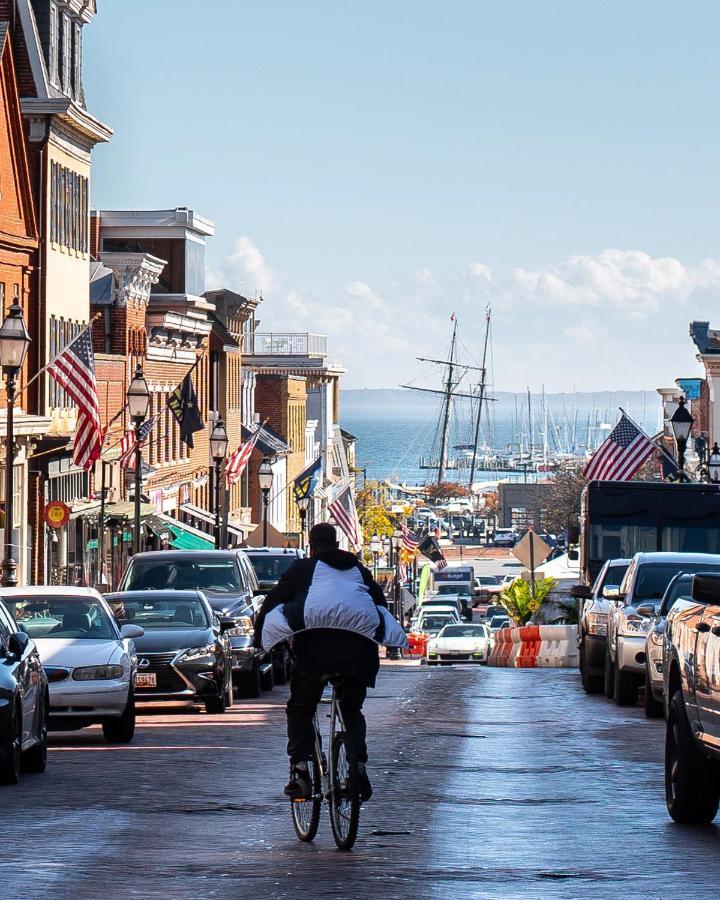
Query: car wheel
x,y
692,780
122,729
626,687
267,681
592,684
11,754
229,698
653,707
609,680
216,705
35,759
248,683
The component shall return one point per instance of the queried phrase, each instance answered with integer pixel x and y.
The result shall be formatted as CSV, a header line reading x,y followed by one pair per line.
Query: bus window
x,y
612,540
686,539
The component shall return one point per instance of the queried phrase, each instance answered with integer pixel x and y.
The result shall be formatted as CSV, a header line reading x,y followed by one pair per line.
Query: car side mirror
x,y
131,631
17,644
646,609
612,592
227,623
580,592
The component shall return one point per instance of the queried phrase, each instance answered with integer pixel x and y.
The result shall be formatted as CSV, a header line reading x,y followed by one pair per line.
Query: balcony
x,y
284,344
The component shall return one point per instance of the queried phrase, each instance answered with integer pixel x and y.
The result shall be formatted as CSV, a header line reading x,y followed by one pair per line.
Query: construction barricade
x,y
418,642
535,646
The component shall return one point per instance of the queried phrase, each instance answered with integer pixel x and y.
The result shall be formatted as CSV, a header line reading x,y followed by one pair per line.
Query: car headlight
x,y
635,625
199,652
97,673
244,626
596,623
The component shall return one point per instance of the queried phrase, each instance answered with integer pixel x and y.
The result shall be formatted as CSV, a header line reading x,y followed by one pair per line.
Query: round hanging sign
x,y
57,514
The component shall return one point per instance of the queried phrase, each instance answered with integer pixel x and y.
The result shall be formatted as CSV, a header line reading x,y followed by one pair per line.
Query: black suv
x,y
228,581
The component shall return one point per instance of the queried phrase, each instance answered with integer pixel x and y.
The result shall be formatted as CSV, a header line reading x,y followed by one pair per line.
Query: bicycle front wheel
x,y
306,813
345,796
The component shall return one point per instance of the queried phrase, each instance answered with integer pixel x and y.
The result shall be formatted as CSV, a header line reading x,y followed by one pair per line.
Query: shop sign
x,y
56,514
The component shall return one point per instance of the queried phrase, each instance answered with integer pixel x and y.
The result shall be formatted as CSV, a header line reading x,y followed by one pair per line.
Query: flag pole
x,y
56,358
657,446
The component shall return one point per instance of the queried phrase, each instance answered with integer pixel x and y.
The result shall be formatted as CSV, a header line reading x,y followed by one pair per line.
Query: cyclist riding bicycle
x,y
336,614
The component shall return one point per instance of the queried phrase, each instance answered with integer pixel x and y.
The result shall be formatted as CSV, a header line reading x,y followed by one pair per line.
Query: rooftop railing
x,y
284,344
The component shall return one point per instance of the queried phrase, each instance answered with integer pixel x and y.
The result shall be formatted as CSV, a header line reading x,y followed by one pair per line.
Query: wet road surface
x,y
489,783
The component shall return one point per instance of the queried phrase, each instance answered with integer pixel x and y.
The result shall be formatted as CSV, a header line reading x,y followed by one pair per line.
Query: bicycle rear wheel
x,y
306,813
345,798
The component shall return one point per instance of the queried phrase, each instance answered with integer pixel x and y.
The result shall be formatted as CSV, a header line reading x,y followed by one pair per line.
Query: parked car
x,y
680,586
24,702
459,643
692,703
90,661
505,537
629,612
495,609
185,652
432,622
592,628
455,594
498,622
435,605
228,580
486,587
270,563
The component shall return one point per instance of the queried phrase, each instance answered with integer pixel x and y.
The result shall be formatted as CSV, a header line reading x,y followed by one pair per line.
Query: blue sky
x,y
373,167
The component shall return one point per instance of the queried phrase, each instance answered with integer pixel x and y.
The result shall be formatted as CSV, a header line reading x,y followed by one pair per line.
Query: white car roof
x,y
665,557
54,590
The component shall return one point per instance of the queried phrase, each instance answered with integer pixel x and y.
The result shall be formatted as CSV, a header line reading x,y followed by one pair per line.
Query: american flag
x,y
409,541
127,444
74,371
236,462
621,454
343,510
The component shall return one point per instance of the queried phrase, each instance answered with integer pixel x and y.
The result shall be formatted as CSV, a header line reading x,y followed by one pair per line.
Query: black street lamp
x,y
713,465
303,504
265,477
218,451
14,342
138,401
681,423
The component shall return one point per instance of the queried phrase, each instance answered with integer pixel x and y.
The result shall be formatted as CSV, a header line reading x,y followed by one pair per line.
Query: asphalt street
x,y
489,783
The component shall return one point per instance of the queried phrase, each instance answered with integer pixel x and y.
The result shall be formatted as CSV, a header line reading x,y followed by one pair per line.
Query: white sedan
x,y
459,643
90,662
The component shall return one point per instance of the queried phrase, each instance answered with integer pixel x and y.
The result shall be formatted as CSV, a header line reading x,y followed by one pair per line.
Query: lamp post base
x,y
9,574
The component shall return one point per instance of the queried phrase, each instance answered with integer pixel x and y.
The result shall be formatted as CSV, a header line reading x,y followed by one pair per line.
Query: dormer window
x,y
77,61
67,38
54,45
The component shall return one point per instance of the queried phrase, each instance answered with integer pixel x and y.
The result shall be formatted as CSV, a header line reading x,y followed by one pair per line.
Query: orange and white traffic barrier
x,y
502,647
535,646
558,647
418,642
528,646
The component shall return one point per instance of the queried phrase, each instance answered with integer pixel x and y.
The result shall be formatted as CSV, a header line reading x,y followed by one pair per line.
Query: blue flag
x,y
307,480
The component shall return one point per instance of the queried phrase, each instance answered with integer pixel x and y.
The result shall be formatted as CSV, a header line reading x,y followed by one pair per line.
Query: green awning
x,y
186,540
92,544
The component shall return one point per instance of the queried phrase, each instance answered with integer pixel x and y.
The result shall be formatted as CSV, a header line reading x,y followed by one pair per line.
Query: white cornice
x,y
135,274
73,117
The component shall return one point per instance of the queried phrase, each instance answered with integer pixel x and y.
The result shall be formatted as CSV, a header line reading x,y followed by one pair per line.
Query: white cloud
x,y
616,319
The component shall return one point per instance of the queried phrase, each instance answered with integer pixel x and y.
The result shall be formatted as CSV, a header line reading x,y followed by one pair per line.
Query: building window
x,y
69,208
66,44
54,43
77,61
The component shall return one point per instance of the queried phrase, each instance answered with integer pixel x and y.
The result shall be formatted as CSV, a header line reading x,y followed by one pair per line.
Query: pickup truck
x,y
691,654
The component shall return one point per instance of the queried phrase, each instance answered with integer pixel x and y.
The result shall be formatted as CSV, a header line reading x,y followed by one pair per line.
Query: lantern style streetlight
x,y
265,477
14,343
681,423
218,451
303,505
138,402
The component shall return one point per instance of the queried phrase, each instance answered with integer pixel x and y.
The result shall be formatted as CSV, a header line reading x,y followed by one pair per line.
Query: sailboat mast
x,y
482,397
530,425
446,406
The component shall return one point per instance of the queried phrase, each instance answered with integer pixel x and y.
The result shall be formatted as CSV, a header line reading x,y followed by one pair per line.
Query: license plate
x,y
147,680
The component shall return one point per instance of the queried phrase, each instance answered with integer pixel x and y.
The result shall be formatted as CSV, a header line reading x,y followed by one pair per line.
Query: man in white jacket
x,y
330,605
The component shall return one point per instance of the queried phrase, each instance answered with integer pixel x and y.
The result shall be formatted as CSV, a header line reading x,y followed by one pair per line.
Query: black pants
x,y
305,692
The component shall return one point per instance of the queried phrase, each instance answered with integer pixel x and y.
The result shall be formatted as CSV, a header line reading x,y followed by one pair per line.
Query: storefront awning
x,y
185,539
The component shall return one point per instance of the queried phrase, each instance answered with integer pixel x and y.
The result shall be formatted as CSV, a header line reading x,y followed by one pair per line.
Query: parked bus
x,y
619,519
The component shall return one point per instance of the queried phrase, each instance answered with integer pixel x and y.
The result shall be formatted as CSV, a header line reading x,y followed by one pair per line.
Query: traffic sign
x,y
532,551
56,514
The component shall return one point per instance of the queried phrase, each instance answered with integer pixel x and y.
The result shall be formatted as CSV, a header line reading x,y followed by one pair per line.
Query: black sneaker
x,y
364,783
299,787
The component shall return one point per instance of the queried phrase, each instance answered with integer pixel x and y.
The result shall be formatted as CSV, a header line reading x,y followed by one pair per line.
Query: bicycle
x,y
337,784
